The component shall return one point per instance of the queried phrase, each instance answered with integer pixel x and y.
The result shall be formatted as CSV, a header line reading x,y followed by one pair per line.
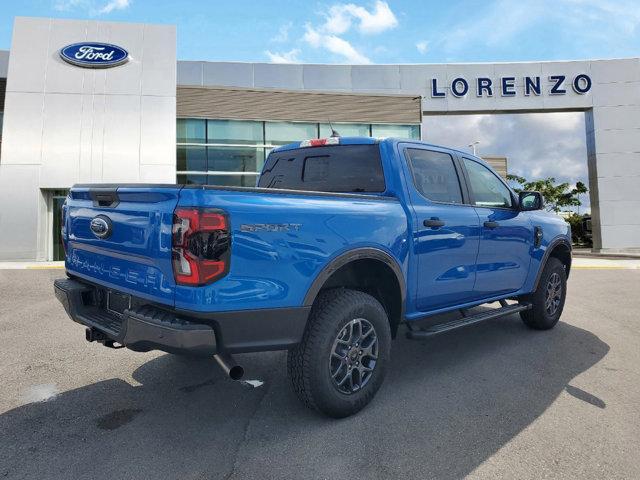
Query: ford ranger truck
x,y
342,241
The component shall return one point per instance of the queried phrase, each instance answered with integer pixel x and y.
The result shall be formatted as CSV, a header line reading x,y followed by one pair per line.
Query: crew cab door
x,y
506,233
446,231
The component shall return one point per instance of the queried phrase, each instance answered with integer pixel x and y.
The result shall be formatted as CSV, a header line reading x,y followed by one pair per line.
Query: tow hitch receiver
x,y
95,335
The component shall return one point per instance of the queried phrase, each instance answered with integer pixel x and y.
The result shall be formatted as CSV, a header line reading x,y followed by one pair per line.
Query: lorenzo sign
x,y
94,55
506,86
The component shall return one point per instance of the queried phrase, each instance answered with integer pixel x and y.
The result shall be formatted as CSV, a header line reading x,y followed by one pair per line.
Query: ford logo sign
x,y
94,55
101,226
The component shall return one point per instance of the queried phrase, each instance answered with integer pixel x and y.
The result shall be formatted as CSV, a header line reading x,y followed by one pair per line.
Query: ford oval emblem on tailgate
x,y
101,226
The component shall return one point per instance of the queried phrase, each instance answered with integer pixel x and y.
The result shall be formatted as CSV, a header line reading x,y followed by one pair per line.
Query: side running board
x,y
504,310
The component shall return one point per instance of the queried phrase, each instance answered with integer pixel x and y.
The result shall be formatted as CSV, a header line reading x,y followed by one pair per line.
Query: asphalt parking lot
x,y
494,400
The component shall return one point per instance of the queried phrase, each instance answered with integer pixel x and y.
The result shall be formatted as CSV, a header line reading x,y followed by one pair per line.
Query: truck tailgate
x,y
120,238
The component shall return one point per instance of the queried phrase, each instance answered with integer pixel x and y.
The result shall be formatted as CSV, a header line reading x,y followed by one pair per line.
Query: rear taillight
x,y
200,245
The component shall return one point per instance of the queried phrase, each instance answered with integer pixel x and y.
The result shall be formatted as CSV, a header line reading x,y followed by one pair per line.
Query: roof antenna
x,y
334,134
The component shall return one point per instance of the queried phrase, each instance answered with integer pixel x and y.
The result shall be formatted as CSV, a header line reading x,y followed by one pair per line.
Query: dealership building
x,y
86,101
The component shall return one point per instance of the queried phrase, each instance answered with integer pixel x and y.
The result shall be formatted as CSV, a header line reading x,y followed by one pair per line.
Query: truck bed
x,y
286,235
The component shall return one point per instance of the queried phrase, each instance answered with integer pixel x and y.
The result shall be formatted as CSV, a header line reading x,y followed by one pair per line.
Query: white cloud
x,y
114,5
335,45
558,123
340,17
92,7
65,5
342,47
340,20
536,145
422,46
312,36
292,56
328,33
619,14
492,26
504,24
283,33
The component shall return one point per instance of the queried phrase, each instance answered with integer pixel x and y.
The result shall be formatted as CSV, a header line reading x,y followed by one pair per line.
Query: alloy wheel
x,y
354,356
553,294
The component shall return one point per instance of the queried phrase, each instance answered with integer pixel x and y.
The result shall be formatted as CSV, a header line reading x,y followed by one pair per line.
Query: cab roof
x,y
370,141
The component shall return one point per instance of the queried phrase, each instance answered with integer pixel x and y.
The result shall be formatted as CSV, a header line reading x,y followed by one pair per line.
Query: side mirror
x,y
530,201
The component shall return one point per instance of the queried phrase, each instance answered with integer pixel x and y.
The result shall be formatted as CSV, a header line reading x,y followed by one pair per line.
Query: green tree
x,y
579,236
556,196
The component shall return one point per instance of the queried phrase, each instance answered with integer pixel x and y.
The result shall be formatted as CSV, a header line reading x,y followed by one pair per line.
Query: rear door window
x,y
336,168
434,175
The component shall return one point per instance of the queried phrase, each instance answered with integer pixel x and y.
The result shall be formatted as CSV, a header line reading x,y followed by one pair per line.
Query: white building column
x,y
65,124
613,149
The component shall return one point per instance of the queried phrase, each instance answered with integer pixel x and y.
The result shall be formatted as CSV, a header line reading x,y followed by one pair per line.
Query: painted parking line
x,y
602,267
31,265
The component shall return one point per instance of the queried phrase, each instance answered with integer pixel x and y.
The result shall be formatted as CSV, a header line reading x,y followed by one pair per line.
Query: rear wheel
x,y
342,359
548,299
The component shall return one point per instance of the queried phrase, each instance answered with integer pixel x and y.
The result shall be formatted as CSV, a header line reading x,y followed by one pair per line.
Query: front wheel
x,y
548,299
342,359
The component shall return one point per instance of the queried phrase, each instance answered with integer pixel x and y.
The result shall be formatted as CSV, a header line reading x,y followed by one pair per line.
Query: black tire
x,y
336,314
546,311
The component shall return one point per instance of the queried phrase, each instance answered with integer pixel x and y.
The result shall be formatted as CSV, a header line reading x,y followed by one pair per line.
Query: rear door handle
x,y
491,224
433,222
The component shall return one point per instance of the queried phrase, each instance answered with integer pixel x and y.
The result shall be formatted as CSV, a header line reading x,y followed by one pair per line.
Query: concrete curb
x,y
31,265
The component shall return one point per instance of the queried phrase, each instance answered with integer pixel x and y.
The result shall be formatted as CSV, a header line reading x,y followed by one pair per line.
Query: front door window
x,y
487,189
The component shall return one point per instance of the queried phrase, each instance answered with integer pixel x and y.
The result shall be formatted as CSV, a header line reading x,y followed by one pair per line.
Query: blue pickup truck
x,y
342,241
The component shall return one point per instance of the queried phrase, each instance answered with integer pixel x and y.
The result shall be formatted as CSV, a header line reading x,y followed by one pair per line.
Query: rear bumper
x,y
144,326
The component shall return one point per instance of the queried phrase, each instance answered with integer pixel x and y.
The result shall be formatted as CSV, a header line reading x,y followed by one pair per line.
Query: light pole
x,y
473,146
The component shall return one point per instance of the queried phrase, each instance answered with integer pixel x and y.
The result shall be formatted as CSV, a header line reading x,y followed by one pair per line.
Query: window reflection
x,y
234,132
398,131
230,159
281,133
190,130
190,159
346,129
232,152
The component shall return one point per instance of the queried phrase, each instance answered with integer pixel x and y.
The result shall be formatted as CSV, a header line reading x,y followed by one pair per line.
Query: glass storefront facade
x,y
232,152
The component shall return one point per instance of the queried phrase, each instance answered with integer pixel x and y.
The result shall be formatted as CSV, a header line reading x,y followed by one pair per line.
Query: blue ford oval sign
x,y
94,55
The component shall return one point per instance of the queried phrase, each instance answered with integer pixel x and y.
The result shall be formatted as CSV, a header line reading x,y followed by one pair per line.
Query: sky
x,y
398,31
369,31
537,145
